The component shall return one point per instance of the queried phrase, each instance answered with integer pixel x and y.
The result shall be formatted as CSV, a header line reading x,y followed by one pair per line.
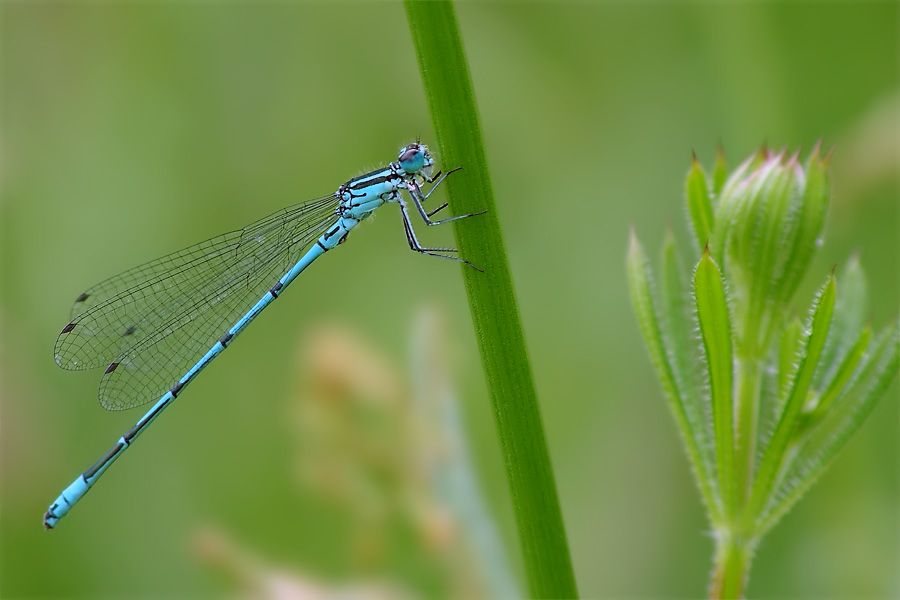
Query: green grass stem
x,y
498,328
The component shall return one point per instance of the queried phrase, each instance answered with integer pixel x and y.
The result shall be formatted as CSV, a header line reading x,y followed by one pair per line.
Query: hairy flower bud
x,y
768,224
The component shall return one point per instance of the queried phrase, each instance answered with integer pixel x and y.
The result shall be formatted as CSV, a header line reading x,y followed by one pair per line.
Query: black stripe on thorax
x,y
370,179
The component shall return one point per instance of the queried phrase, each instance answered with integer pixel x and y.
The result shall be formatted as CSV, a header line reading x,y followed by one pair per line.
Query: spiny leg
x,y
437,179
439,209
414,242
416,195
437,176
411,234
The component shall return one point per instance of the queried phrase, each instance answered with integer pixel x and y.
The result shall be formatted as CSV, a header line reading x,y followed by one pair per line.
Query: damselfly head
x,y
414,158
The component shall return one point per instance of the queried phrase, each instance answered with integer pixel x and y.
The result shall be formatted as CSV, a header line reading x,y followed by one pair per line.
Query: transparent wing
x,y
156,320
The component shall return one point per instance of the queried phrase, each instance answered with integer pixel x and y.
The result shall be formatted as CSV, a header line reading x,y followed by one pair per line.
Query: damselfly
x,y
156,326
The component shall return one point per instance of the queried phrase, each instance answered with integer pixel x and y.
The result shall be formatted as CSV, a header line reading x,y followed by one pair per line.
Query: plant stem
x,y
749,382
732,565
495,315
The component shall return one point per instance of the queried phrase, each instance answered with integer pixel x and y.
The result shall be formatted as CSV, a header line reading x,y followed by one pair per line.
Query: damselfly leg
x,y
415,193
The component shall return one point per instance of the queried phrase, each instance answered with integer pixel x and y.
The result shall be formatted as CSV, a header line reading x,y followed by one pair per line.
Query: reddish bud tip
x,y
817,148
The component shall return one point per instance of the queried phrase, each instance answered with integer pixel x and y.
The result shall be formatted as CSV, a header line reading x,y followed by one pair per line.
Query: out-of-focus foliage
x,y
130,130
386,451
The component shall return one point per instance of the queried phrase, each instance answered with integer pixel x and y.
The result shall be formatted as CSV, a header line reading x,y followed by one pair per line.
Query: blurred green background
x,y
131,130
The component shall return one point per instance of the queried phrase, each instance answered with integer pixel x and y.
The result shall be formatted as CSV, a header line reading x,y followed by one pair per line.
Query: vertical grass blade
x,y
715,330
448,87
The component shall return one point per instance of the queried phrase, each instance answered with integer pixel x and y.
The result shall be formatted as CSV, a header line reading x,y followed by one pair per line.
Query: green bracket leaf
x,y
716,332
699,204
850,308
640,281
682,350
841,376
720,173
789,356
827,436
774,453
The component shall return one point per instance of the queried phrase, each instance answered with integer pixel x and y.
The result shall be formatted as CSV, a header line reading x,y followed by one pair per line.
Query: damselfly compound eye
x,y
412,158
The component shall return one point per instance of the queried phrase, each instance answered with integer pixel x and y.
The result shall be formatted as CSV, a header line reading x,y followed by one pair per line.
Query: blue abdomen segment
x,y
357,199
64,502
78,488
